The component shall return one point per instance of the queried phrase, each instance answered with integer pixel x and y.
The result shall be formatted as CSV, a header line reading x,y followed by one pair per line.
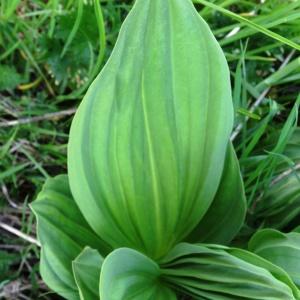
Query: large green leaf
x,y
282,249
129,275
226,215
86,269
214,272
63,234
148,143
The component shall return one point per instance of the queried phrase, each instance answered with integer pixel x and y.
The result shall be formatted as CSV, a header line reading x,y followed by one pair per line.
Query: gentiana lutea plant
x,y
154,193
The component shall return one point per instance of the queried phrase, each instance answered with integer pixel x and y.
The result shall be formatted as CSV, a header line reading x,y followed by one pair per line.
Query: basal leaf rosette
x,y
150,165
63,233
148,142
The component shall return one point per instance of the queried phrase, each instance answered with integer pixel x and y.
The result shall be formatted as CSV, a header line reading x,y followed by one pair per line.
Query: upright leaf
x,y
226,215
148,143
63,234
129,275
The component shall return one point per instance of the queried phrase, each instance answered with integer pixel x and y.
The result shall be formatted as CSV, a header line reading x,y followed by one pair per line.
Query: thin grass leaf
x,y
257,27
74,30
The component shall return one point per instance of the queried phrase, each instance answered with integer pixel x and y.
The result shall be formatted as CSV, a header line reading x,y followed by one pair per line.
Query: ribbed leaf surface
x,y
282,249
220,273
148,142
226,214
86,270
63,234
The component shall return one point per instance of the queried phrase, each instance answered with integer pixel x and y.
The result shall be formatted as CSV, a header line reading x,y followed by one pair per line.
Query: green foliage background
x,y
50,51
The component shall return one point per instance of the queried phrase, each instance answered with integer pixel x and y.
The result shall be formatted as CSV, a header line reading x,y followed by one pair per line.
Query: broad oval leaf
x,y
63,233
282,249
148,143
129,275
86,269
220,273
226,215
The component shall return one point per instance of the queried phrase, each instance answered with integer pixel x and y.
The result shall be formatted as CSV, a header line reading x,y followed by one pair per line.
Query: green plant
x,y
150,172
